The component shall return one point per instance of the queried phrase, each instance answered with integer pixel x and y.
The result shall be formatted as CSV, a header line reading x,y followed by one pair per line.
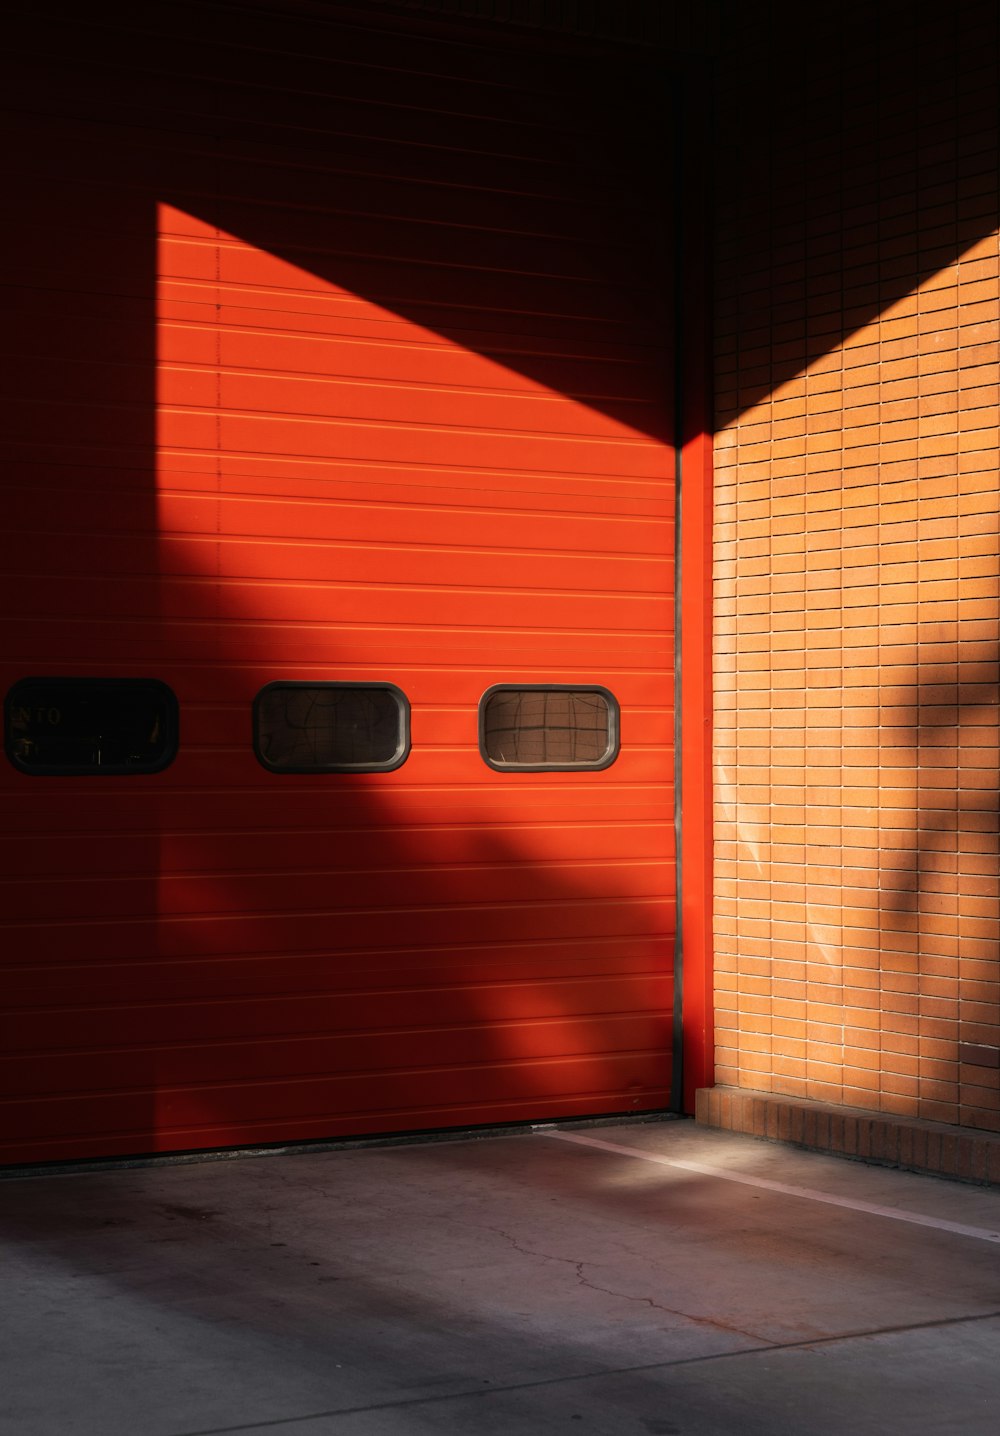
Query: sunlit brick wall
x,y
857,558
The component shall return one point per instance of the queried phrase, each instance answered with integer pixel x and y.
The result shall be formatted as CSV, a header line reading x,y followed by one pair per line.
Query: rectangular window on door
x,y
331,727
76,726
536,727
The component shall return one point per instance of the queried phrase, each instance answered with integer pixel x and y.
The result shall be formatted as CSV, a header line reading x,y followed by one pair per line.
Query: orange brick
x,y
882,635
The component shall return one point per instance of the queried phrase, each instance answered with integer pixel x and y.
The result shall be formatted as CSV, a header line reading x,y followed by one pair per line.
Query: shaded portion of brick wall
x,y
858,558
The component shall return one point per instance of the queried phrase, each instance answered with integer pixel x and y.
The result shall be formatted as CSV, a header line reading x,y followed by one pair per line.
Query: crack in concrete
x,y
583,1280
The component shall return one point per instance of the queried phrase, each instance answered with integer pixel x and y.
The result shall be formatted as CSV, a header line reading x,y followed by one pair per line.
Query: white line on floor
x,y
725,1174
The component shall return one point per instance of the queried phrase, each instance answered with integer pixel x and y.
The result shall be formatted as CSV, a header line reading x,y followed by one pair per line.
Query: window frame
x,y
614,727
390,765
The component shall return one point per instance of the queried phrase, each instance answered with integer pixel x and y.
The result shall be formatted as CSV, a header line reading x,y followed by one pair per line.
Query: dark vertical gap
x,y
692,392
679,209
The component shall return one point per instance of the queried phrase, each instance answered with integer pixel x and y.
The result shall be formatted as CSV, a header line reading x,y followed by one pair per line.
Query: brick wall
x,y
857,558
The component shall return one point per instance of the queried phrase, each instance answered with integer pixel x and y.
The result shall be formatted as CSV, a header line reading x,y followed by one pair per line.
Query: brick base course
x,y
876,1137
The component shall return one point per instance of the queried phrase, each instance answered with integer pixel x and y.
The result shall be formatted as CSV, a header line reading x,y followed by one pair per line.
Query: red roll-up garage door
x,y
340,364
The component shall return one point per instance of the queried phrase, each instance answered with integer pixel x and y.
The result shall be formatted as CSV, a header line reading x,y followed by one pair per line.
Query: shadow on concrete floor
x,y
649,1278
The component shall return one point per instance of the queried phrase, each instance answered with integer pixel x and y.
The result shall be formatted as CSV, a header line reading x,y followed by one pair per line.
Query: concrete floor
x,y
640,1279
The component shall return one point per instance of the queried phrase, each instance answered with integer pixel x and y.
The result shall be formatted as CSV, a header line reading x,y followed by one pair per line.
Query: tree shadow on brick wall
x,y
857,163
940,889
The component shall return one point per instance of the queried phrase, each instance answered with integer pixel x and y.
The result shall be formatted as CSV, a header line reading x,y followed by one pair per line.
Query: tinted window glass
x,y
331,727
536,727
90,725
